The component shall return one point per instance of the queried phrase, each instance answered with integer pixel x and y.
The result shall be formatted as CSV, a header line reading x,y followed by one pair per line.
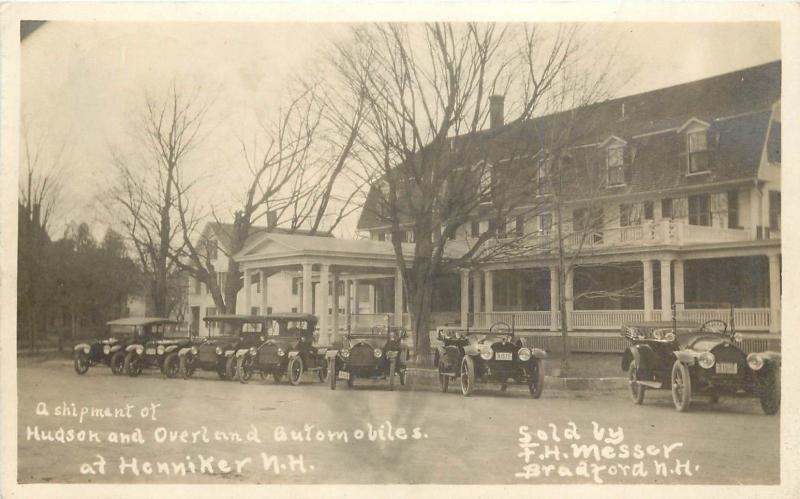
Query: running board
x,y
651,384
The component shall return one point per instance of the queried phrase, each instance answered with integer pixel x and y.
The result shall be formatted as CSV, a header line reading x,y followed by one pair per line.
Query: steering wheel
x,y
500,328
714,326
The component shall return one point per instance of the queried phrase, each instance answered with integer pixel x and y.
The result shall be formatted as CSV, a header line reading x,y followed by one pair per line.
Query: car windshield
x,y
166,330
227,327
118,330
655,332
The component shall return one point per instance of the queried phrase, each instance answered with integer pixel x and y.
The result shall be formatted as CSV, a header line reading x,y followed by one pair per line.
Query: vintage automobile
x,y
216,352
119,334
488,355
287,346
377,354
691,358
159,351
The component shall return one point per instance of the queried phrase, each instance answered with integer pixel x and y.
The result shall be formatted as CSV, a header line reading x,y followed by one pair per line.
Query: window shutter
x,y
712,143
629,153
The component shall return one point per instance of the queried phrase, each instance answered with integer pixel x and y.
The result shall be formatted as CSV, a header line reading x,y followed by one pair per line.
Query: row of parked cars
x,y
241,346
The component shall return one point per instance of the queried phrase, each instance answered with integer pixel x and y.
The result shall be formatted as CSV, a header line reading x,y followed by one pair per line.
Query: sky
x,y
82,83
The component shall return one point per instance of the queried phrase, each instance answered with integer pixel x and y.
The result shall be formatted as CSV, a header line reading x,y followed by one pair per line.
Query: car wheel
x,y
771,398
81,363
467,376
118,363
294,371
444,380
636,390
133,365
536,385
244,368
323,372
172,365
186,366
681,386
392,369
351,380
230,368
332,373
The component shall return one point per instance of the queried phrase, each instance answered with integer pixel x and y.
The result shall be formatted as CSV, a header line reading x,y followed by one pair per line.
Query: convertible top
x,y
258,318
140,321
664,324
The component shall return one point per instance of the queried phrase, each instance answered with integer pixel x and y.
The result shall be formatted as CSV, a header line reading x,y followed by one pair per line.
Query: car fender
x,y
773,358
131,348
116,348
184,351
170,348
82,346
471,350
331,354
538,353
441,351
688,357
228,353
241,352
292,354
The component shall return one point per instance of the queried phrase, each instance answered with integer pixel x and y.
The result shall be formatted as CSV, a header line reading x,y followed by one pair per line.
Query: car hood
x,y
219,340
372,342
703,342
285,342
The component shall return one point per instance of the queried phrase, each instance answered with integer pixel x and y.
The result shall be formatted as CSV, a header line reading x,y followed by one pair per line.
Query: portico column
x,y
488,290
335,304
371,299
347,303
464,297
568,297
554,299
476,294
248,281
324,276
677,270
774,293
264,278
398,297
308,288
647,278
356,309
666,290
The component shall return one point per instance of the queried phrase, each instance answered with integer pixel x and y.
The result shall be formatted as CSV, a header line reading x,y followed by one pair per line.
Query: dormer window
x,y
485,182
541,177
697,151
615,161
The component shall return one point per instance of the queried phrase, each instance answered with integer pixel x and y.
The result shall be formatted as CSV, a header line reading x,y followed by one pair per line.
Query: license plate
x,y
503,356
150,351
727,368
344,375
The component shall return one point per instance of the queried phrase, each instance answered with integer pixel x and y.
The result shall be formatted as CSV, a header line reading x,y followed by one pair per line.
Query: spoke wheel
x,y
681,386
323,372
771,398
294,371
444,380
81,363
332,373
635,389
172,365
392,368
536,385
186,366
133,365
244,368
467,376
118,363
230,368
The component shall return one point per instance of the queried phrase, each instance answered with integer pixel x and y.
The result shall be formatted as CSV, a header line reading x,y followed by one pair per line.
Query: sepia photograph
x,y
436,251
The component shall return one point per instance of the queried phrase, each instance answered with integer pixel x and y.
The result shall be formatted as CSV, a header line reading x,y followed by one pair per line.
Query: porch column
x,y
324,284
464,297
398,297
248,281
476,292
554,323
308,288
666,290
347,304
334,305
264,278
356,309
755,211
568,297
488,290
647,278
677,270
371,299
774,293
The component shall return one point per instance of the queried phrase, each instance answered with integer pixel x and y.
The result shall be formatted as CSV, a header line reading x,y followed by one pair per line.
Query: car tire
x,y
133,366
332,373
771,398
467,376
681,385
294,371
172,365
323,372
81,362
186,366
230,368
536,385
635,389
402,376
351,381
392,369
244,369
117,363
444,380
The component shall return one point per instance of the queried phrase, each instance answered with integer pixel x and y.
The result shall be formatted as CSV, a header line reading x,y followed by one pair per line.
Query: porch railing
x,y
747,319
604,319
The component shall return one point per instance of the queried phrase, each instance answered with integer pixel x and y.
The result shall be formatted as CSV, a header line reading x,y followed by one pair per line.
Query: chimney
x,y
496,111
272,220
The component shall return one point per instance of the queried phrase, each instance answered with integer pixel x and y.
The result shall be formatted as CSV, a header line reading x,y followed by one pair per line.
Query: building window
x,y
699,210
212,251
294,310
733,210
198,286
590,222
697,151
341,288
258,284
774,210
269,310
545,223
410,236
774,143
519,226
381,236
211,311
475,228
254,310
295,285
666,208
648,210
541,178
615,161
486,184
625,214
493,227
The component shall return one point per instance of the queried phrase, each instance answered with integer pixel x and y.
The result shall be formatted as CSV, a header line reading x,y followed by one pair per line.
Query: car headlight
x,y
706,360
160,350
281,353
524,354
139,350
345,353
194,350
669,336
486,354
253,350
87,349
218,351
755,361
107,349
377,352
738,338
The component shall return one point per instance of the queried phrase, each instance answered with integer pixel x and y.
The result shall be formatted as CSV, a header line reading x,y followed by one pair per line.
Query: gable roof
x,y
737,105
223,232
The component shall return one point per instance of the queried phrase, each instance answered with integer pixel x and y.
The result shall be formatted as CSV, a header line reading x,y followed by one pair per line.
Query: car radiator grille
x,y
207,354
268,355
362,356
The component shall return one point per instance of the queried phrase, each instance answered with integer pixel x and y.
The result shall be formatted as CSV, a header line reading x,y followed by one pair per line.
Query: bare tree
x,y
145,195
